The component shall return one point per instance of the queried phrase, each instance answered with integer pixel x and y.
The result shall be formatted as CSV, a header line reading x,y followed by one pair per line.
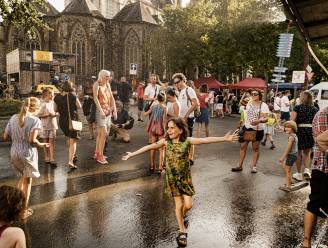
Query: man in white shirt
x,y
188,100
285,106
152,89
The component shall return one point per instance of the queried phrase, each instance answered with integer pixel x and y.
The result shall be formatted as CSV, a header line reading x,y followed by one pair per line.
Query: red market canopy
x,y
249,83
211,82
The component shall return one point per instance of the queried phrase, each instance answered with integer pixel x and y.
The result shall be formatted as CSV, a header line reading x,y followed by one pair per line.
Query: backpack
x,y
197,112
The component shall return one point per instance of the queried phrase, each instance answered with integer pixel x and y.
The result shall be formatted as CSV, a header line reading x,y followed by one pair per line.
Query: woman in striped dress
x,y
23,129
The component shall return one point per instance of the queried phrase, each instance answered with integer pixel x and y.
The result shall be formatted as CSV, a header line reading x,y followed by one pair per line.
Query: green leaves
x,y
22,13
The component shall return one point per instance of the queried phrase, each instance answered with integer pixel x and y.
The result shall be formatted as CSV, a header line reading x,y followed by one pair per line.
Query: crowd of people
x,y
171,110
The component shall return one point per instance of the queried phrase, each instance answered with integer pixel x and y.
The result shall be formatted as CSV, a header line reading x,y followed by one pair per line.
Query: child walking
x,y
290,154
269,128
178,174
23,129
48,115
156,129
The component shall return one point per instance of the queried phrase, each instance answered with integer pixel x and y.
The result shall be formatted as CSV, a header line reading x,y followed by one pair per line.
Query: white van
x,y
320,93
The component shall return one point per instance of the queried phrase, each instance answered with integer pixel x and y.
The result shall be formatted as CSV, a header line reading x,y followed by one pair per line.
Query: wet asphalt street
x,y
119,206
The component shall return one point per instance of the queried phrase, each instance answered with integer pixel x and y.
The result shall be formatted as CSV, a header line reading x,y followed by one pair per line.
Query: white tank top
x,y
170,109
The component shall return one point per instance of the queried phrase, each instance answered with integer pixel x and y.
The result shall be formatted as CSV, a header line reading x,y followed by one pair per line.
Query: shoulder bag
x,y
197,112
149,103
250,135
73,125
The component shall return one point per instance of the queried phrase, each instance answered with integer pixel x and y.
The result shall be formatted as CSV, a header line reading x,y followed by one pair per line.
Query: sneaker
x,y
307,174
272,147
263,143
298,176
101,160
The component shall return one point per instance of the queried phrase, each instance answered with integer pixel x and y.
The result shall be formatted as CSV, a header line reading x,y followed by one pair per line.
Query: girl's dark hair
x,y
203,88
12,204
171,92
68,86
260,93
161,97
182,125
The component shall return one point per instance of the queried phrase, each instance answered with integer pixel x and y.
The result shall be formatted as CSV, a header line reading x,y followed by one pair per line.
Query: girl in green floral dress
x,y
178,174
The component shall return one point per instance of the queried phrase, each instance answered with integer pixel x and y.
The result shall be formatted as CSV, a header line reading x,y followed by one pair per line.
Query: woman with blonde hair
x,y
23,129
106,107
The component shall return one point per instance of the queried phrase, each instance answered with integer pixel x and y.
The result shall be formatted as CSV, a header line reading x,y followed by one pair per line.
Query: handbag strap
x,y
69,112
257,126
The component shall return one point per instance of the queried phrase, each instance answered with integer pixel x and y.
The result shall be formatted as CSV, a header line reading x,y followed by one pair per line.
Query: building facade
x,y
97,42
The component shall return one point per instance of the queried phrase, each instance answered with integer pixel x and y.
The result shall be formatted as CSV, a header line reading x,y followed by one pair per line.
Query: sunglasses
x,y
255,94
176,82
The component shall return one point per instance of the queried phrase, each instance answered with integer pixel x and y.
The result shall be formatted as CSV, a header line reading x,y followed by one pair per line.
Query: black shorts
x,y
291,159
140,104
318,203
285,116
190,122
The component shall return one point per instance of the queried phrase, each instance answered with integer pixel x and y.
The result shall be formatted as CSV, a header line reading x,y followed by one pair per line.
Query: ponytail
x,y
24,111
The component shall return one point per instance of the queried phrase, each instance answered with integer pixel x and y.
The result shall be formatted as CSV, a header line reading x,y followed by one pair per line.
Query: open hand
x,y
231,137
127,156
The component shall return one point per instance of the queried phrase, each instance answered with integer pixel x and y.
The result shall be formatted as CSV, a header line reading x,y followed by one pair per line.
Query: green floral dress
x,y
178,175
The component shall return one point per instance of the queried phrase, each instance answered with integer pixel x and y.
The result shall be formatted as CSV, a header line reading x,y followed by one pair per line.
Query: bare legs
x,y
310,221
288,173
243,150
25,184
91,130
100,141
71,151
303,155
182,205
200,128
153,139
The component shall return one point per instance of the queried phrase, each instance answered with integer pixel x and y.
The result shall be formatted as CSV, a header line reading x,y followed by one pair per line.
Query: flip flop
x,y
285,188
72,166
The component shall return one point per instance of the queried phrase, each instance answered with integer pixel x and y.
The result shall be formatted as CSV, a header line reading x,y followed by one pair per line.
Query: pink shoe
x,y
101,160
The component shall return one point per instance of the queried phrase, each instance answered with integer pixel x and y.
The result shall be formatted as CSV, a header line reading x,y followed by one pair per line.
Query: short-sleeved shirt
x,y
202,100
23,156
152,91
284,104
320,125
48,123
140,91
185,102
252,113
124,92
277,103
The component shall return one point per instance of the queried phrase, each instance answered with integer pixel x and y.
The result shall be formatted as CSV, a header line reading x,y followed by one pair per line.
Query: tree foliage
x,y
22,13
224,38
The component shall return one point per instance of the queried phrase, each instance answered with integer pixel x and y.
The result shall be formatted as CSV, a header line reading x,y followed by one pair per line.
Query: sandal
x,y
254,170
53,164
27,213
72,166
285,188
182,239
186,222
75,159
236,169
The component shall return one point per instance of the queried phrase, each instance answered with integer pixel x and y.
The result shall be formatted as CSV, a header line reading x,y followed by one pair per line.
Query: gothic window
x,y
78,41
100,49
20,39
131,50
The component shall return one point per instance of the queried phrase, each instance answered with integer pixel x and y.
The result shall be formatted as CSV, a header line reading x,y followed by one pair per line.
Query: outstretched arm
x,y
228,137
144,149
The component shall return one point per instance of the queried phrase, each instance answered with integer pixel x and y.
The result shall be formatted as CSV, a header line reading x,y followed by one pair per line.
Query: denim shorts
x,y
103,122
291,159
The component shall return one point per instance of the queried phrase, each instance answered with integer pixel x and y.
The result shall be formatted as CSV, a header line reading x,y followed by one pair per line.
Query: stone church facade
x,y
97,42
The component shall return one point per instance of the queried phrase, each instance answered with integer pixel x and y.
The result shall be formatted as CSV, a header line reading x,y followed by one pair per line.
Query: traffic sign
x,y
133,69
298,77
275,80
280,69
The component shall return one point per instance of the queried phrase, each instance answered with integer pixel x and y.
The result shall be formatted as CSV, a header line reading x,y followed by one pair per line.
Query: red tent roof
x,y
211,82
249,83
